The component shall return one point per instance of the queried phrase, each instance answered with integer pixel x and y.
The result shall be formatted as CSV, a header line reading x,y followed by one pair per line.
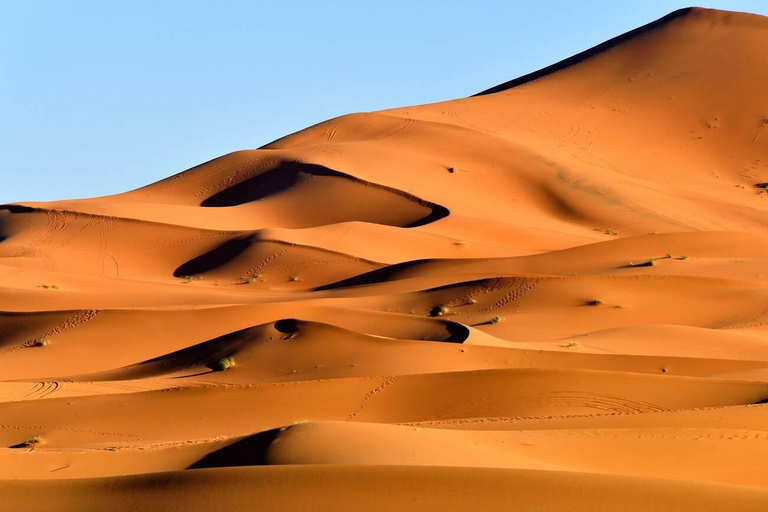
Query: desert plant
x,y
295,279
683,257
43,342
251,280
595,302
652,262
32,441
495,319
225,363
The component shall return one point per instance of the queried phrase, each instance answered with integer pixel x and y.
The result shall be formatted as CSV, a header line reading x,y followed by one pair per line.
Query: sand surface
x,y
549,296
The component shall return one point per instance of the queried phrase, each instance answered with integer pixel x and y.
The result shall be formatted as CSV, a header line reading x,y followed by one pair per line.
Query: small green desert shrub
x,y
595,302
33,441
651,262
495,319
683,257
43,342
224,363
439,311
251,280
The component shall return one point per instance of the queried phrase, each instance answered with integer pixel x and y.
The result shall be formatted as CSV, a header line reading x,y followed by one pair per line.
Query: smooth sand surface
x,y
549,296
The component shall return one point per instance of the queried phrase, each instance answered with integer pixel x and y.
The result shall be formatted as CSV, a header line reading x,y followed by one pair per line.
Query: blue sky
x,y
102,97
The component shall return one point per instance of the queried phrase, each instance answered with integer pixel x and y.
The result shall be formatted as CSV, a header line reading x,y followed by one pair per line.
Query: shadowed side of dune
x,y
202,356
216,257
248,256
269,183
17,208
380,204
12,209
250,451
380,275
258,348
586,54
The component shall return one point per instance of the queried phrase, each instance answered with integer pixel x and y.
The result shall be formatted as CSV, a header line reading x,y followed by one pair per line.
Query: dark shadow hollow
x,y
215,258
251,451
286,325
457,333
373,277
17,208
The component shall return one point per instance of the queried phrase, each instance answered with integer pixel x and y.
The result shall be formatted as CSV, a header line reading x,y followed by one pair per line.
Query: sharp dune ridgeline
x,y
552,295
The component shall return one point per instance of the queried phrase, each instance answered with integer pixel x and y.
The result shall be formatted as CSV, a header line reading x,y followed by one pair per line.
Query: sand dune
x,y
550,295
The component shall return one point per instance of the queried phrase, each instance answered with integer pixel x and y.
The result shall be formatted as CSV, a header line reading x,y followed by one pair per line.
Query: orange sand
x,y
549,296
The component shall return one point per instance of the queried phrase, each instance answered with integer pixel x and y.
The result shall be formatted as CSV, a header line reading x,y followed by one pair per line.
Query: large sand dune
x,y
552,295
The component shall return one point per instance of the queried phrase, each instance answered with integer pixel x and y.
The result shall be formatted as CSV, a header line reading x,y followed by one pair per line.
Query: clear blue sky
x,y
100,97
